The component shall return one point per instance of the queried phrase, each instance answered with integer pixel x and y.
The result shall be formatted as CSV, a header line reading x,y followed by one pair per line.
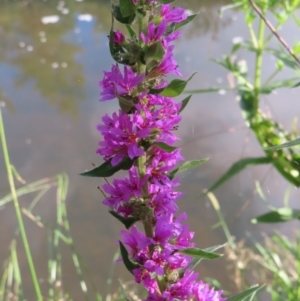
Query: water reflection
x,y
42,43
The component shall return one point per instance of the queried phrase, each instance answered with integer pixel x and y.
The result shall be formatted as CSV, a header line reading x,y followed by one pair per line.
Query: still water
x,y
52,55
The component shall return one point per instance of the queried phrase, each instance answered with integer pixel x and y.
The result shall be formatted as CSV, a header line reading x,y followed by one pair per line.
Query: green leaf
x,y
244,296
127,8
186,166
126,221
165,147
286,58
107,170
200,254
235,48
238,167
284,145
154,52
174,88
129,264
131,31
166,1
196,261
296,85
184,103
278,216
118,15
186,21
209,90
290,83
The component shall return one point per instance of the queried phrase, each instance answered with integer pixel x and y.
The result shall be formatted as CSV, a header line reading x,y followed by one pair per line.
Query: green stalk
x,y
258,64
18,212
141,164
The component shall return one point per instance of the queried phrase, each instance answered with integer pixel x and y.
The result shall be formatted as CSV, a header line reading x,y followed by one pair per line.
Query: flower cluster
x,y
148,194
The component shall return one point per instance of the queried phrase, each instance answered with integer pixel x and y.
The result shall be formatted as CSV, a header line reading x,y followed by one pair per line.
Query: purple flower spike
x,y
115,83
173,15
203,292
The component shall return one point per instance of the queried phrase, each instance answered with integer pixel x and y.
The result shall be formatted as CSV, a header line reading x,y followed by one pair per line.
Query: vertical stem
x,y
18,212
258,63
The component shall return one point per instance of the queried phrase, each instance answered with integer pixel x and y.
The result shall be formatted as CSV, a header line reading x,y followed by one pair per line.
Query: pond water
x,y
52,55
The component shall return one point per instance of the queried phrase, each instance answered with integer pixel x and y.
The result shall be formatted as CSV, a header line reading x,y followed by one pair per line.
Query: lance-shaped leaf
x,y
107,170
129,264
186,166
118,15
164,146
246,295
284,57
184,103
126,221
278,216
284,145
238,167
196,261
210,90
186,21
154,52
166,1
127,8
200,254
174,88
278,84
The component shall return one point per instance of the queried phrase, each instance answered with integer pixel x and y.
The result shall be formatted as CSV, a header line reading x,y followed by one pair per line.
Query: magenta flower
x,y
118,37
137,243
115,83
173,15
203,292
155,33
168,64
121,138
161,164
182,290
122,191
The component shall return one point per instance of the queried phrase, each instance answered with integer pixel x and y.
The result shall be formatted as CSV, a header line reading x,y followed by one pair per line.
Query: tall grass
x,y
59,233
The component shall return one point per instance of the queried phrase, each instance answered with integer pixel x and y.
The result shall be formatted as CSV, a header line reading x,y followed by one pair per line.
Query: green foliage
x,y
129,264
154,52
269,134
185,102
107,170
127,8
164,146
174,88
238,167
278,216
292,143
247,295
127,222
186,166
200,254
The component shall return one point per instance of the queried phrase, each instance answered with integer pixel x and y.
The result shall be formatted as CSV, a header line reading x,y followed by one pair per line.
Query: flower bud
x,y
118,37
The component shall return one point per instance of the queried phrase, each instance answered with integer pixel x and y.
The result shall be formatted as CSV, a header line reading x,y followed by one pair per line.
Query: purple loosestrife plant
x,y
140,138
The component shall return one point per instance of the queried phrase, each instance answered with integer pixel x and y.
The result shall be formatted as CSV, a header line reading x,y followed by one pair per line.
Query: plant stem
x,y
142,161
258,64
18,212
